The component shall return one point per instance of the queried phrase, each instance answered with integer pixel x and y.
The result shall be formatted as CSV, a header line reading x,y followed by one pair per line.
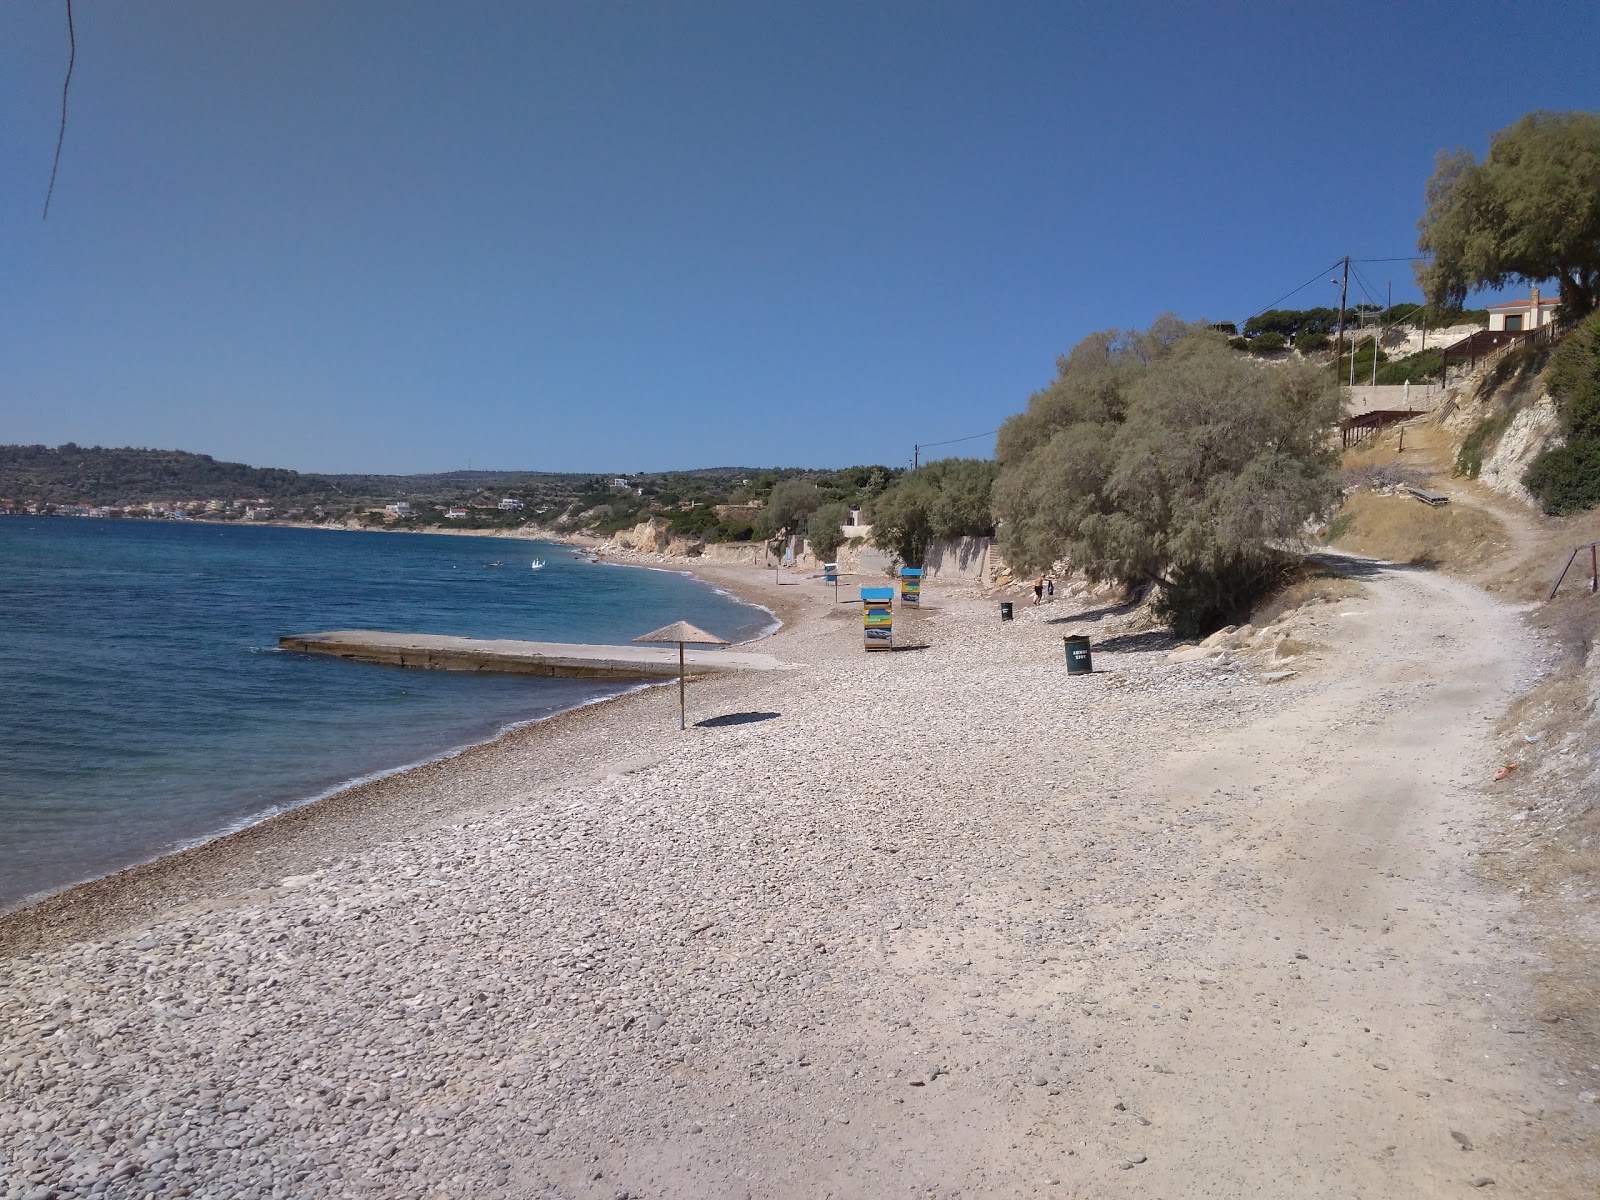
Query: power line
x,y
1402,258
972,437
916,451
61,134
1301,288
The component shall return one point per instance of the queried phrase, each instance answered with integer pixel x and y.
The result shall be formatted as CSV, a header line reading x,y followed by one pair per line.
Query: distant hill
x,y
71,474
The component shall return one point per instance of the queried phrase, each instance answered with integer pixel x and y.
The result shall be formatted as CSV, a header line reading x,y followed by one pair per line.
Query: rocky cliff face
x,y
1532,431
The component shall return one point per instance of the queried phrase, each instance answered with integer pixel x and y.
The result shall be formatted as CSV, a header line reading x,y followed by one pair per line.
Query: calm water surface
x,y
144,705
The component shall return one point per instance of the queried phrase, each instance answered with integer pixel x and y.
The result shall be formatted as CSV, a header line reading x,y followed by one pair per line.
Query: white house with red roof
x,y
1520,316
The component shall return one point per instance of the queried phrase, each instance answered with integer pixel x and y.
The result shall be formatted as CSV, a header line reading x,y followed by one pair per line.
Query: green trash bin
x,y
1078,660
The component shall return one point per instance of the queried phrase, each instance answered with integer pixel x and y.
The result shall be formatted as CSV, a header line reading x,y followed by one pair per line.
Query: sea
x,y
145,706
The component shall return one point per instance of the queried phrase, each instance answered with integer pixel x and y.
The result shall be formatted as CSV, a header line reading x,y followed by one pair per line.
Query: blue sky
x,y
404,237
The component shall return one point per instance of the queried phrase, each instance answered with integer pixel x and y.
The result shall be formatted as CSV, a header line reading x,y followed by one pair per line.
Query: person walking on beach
x,y
1038,591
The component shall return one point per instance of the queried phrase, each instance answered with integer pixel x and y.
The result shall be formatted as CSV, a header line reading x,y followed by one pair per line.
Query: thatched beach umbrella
x,y
681,632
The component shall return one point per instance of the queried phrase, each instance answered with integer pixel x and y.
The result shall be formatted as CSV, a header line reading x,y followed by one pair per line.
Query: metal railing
x,y
1594,568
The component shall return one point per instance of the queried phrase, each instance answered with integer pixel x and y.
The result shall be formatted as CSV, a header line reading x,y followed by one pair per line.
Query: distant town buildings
x,y
510,504
398,509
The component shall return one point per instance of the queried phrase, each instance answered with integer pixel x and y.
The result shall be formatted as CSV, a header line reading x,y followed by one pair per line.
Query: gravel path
x,y
928,923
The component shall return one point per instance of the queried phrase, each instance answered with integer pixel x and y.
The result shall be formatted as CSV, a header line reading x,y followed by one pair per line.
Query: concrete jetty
x,y
443,653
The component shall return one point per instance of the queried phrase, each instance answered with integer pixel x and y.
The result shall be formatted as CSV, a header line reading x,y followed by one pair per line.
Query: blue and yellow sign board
x,y
877,618
830,572
911,586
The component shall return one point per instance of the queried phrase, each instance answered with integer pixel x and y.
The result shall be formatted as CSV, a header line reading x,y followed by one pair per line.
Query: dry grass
x,y
1319,585
1402,529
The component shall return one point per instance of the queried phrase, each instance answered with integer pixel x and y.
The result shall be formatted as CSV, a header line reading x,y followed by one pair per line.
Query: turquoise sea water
x,y
144,705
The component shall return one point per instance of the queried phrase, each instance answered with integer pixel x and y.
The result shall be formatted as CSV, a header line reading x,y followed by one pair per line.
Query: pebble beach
x,y
937,922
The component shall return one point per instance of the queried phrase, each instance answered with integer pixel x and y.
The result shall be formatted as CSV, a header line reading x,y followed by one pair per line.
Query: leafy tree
x,y
939,501
1529,212
791,502
1162,458
825,529
1313,342
1268,343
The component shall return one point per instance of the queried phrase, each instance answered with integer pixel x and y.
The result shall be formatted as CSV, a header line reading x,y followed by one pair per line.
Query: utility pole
x,y
1344,286
916,455
1383,328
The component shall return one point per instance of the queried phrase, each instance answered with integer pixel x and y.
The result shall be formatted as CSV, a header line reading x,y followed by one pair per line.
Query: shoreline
x,y
201,872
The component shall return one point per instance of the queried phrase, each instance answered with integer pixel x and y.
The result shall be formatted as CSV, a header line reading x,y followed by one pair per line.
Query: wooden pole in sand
x,y
682,718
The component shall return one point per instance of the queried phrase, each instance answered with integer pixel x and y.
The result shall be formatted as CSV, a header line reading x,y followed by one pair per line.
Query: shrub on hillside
x,y
1311,343
1567,479
1161,457
1413,368
1268,343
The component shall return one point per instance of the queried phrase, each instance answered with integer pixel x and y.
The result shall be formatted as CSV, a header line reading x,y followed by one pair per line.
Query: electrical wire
x,y
1301,288
969,438
61,134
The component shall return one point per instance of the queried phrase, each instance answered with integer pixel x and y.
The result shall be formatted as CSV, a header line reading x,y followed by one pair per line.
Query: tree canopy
x,y
945,499
791,502
1162,457
1529,212
825,529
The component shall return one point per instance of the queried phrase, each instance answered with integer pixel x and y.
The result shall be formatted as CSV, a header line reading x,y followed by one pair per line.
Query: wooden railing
x,y
1487,345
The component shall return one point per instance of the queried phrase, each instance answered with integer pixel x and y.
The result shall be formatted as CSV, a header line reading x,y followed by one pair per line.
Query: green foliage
x,y
1574,379
1364,351
1313,342
1469,459
1292,322
695,523
1527,213
1425,364
1195,600
1268,343
824,529
1162,457
791,502
1239,343
1567,479
939,501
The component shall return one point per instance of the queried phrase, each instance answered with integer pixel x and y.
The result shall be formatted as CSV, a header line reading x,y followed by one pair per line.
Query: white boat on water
x,y
537,564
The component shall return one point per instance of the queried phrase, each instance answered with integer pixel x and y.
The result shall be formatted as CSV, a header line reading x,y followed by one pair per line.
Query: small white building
x,y
1522,316
510,504
455,514
399,509
619,484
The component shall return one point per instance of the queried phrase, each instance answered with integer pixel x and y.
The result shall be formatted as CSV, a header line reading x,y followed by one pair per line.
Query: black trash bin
x,y
1005,610
1078,660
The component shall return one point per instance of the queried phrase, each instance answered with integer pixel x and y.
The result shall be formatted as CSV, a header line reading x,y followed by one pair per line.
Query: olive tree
x,y
1530,211
825,529
942,500
1164,458
791,502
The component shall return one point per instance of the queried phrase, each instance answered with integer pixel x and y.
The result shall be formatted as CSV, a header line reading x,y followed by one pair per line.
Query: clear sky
x,y
596,236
